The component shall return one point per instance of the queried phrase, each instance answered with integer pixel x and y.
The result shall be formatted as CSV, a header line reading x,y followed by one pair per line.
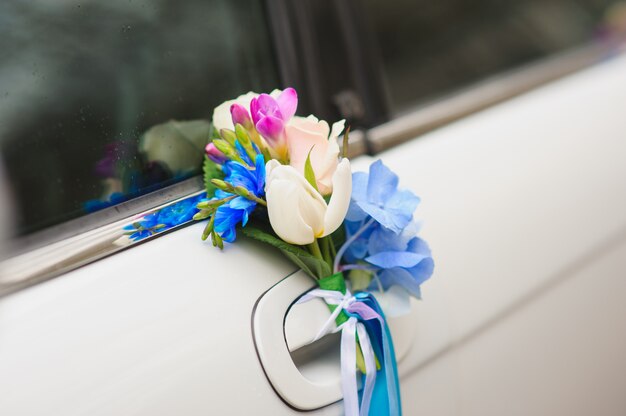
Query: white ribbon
x,y
349,330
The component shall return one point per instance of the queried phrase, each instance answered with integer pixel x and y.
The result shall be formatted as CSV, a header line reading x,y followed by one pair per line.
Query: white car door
x,y
523,203
526,214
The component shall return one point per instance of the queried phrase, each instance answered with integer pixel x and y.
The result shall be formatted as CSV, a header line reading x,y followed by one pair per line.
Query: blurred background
x,y
83,82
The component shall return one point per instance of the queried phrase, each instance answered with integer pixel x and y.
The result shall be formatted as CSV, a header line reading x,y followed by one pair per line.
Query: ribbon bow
x,y
360,313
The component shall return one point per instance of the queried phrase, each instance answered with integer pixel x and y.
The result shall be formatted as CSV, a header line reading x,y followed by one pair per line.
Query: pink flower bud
x,y
214,154
240,116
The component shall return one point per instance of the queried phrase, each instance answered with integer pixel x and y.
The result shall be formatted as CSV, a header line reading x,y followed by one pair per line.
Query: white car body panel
x,y
524,206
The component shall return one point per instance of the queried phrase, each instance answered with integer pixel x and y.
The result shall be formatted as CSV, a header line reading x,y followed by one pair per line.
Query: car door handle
x,y
282,331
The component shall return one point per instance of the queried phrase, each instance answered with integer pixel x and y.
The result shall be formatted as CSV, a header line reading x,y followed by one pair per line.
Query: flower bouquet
x,y
284,180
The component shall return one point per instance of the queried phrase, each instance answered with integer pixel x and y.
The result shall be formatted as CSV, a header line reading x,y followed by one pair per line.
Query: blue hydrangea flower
x,y
404,260
381,233
376,195
237,210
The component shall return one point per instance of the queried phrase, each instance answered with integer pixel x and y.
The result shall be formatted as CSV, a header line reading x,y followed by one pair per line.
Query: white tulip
x,y
298,213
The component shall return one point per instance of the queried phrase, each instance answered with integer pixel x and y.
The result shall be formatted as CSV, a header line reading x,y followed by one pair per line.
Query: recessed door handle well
x,y
306,375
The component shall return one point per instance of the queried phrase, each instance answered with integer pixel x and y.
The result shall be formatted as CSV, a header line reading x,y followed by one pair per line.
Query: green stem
x,y
258,200
333,250
314,247
326,251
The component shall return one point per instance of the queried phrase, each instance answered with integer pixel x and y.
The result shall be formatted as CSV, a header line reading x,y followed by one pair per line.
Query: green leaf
x,y
309,174
338,237
211,171
313,266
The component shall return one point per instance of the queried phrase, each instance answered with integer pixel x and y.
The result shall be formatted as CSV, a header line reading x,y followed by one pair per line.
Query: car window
x,y
102,101
428,48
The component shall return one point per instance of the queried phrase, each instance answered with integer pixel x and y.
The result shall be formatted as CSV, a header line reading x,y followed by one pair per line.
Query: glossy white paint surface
x,y
525,209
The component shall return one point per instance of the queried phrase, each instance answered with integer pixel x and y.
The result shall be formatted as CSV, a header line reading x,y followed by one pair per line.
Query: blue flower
x,y
146,227
404,260
381,233
377,195
180,212
237,210
165,218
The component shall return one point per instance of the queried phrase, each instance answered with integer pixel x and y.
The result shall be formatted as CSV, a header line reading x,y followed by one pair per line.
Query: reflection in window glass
x,y
101,101
429,48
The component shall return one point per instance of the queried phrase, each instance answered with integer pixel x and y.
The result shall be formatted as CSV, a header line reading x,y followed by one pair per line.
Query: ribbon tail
x,y
370,368
391,373
386,396
348,369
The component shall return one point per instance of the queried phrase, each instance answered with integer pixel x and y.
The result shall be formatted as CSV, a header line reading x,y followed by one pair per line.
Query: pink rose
x,y
302,135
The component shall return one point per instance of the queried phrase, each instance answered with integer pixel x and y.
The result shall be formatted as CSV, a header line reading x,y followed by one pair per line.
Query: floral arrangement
x,y
284,180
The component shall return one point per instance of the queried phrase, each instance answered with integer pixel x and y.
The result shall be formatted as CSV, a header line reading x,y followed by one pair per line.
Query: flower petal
x,y
270,128
403,201
239,115
338,127
295,208
394,221
382,183
302,136
423,270
327,167
417,245
385,240
254,111
340,200
288,103
400,277
359,193
268,106
214,154
390,259
284,214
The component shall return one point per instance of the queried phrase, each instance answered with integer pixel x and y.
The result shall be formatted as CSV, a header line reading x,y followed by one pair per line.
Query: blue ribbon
x,y
386,396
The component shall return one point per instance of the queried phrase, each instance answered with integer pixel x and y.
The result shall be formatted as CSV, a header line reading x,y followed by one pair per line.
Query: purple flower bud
x,y
270,115
240,116
214,154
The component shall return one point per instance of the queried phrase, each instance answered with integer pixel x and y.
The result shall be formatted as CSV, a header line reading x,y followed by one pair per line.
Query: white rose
x,y
221,115
222,118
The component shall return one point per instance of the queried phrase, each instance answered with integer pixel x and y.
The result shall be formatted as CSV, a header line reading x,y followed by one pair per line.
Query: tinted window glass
x,y
429,48
89,90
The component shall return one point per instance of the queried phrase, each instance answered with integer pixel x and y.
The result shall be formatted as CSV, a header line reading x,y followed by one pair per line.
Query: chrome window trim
x,y
43,263
59,249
